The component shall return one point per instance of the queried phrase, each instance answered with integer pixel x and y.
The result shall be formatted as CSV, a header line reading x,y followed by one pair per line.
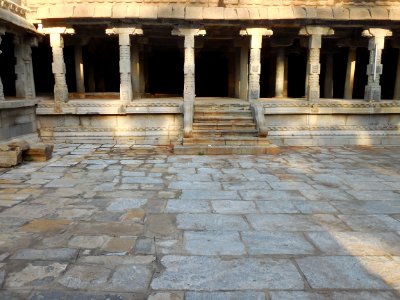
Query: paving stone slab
x,y
209,195
371,222
363,295
284,222
200,273
225,296
356,243
71,295
367,207
85,277
121,205
211,222
111,261
61,254
130,278
233,207
213,243
187,206
276,243
166,296
347,272
88,242
277,207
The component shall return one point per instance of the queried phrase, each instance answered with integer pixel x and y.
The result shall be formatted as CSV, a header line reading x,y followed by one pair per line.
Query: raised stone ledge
x,y
209,12
111,107
292,106
10,104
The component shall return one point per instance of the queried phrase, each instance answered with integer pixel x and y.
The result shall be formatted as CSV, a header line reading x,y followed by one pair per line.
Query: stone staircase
x,y
224,127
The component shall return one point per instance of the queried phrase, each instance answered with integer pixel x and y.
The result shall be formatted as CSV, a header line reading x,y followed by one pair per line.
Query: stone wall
x,y
333,123
140,129
17,118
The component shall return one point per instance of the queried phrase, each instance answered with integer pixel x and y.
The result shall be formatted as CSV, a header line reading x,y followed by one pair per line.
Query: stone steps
x,y
224,125
224,132
226,141
226,150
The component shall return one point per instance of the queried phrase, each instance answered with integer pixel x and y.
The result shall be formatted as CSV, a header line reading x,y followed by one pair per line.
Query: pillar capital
x,y
188,30
257,31
376,32
316,30
56,30
125,30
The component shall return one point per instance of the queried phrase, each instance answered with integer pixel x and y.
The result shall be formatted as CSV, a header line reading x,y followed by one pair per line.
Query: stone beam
x,y
125,65
375,68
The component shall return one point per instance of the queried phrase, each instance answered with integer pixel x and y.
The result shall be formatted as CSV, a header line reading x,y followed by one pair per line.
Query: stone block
x,y
264,13
19,143
39,152
103,11
324,13
164,11
120,10
311,12
243,13
213,13
254,13
341,13
394,14
61,11
357,13
298,13
84,11
43,12
10,158
148,12
178,12
379,13
193,13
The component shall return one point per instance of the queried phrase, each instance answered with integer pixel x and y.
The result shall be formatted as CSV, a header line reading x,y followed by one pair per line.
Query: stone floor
x,y
111,223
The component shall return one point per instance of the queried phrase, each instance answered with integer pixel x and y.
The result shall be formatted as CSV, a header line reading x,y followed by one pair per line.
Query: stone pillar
x,y
24,83
315,34
125,88
79,71
350,71
58,66
135,71
255,59
189,74
280,73
2,32
374,69
396,95
328,82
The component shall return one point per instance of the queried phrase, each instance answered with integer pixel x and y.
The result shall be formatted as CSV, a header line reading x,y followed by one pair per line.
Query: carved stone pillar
x,y
125,88
255,59
280,73
79,71
350,71
58,66
374,69
2,32
189,74
315,34
396,95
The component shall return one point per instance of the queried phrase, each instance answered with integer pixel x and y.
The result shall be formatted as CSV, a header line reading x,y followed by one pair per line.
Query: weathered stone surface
x,y
166,296
45,226
125,204
276,243
233,207
238,274
88,242
213,243
35,275
61,254
111,261
187,206
72,295
346,272
84,277
371,223
145,246
211,222
161,225
283,222
225,295
364,295
124,244
130,278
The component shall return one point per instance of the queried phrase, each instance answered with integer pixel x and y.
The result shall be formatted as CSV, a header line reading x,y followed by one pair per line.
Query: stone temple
x,y
240,74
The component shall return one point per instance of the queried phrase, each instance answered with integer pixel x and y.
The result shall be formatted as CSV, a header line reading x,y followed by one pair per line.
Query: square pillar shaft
x,y
58,67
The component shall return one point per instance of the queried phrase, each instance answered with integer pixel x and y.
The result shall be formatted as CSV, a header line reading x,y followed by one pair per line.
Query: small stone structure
x,y
336,81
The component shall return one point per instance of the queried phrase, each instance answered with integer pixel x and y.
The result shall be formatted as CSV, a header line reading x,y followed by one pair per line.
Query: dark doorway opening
x,y
7,63
42,60
165,74
212,73
268,73
360,76
388,78
297,64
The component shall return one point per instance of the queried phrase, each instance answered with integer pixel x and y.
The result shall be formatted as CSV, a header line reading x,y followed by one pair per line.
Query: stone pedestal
x,y
189,74
315,34
79,71
255,59
374,69
125,89
2,32
350,71
24,83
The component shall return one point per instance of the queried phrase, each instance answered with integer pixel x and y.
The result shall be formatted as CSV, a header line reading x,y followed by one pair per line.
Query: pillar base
x,y
61,93
372,93
125,93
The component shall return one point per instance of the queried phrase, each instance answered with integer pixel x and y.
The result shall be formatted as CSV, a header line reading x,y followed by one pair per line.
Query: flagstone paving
x,y
104,222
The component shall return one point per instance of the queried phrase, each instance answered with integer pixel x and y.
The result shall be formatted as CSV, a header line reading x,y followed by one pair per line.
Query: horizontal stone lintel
x,y
14,104
189,12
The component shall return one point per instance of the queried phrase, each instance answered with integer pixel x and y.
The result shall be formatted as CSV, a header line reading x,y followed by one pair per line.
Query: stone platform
x,y
121,222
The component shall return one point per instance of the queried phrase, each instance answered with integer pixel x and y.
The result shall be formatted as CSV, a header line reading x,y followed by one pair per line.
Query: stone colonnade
x,y
131,69
24,83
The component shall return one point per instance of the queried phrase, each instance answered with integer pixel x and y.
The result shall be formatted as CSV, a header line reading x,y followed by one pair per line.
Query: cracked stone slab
x,y
200,273
213,243
347,272
276,243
